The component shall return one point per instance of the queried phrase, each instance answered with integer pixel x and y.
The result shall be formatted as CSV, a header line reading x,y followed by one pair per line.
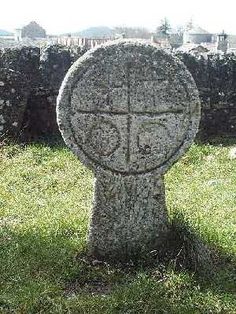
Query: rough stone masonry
x,y
128,111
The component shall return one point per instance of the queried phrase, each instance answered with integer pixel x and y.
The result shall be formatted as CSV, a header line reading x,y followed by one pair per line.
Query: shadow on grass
x,y
212,266
56,140
51,141
224,141
32,262
184,251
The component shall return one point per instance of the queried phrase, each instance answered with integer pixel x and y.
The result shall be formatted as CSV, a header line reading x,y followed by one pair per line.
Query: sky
x,y
62,16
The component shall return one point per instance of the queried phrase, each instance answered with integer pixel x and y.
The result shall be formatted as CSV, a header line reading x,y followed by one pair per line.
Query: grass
x,y
45,197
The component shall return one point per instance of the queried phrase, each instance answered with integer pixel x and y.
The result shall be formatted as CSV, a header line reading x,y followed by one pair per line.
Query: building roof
x,y
197,30
198,48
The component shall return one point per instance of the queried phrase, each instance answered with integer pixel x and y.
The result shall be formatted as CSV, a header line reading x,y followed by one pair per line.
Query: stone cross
x,y
128,110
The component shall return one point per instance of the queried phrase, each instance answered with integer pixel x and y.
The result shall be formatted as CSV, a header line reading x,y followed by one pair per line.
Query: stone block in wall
x,y
222,80
40,115
198,67
24,60
54,63
55,60
14,91
217,123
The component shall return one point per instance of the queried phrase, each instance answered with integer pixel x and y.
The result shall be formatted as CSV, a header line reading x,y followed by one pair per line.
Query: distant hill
x,y
5,33
96,32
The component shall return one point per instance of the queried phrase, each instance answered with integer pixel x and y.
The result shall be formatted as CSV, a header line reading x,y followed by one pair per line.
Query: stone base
x,y
129,215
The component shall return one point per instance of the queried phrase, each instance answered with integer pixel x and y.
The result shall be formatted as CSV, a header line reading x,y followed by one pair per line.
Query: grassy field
x,y
45,197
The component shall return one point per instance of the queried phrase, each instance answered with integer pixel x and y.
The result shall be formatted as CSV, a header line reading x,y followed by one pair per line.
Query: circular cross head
x,y
128,107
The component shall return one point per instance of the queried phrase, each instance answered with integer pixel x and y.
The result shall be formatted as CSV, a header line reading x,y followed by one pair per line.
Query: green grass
x,y
45,197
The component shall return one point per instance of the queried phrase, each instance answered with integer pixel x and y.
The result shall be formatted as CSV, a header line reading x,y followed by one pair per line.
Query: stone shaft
x,y
129,215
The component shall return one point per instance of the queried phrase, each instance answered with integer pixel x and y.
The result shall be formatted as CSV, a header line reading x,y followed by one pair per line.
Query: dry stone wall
x,y
35,74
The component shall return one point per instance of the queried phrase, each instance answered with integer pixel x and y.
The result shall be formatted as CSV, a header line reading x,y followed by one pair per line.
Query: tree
x,y
176,37
189,25
164,28
33,30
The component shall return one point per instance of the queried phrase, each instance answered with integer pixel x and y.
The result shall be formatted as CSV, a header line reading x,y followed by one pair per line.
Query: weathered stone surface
x,y
129,215
54,63
129,111
24,60
42,70
13,100
215,77
40,115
